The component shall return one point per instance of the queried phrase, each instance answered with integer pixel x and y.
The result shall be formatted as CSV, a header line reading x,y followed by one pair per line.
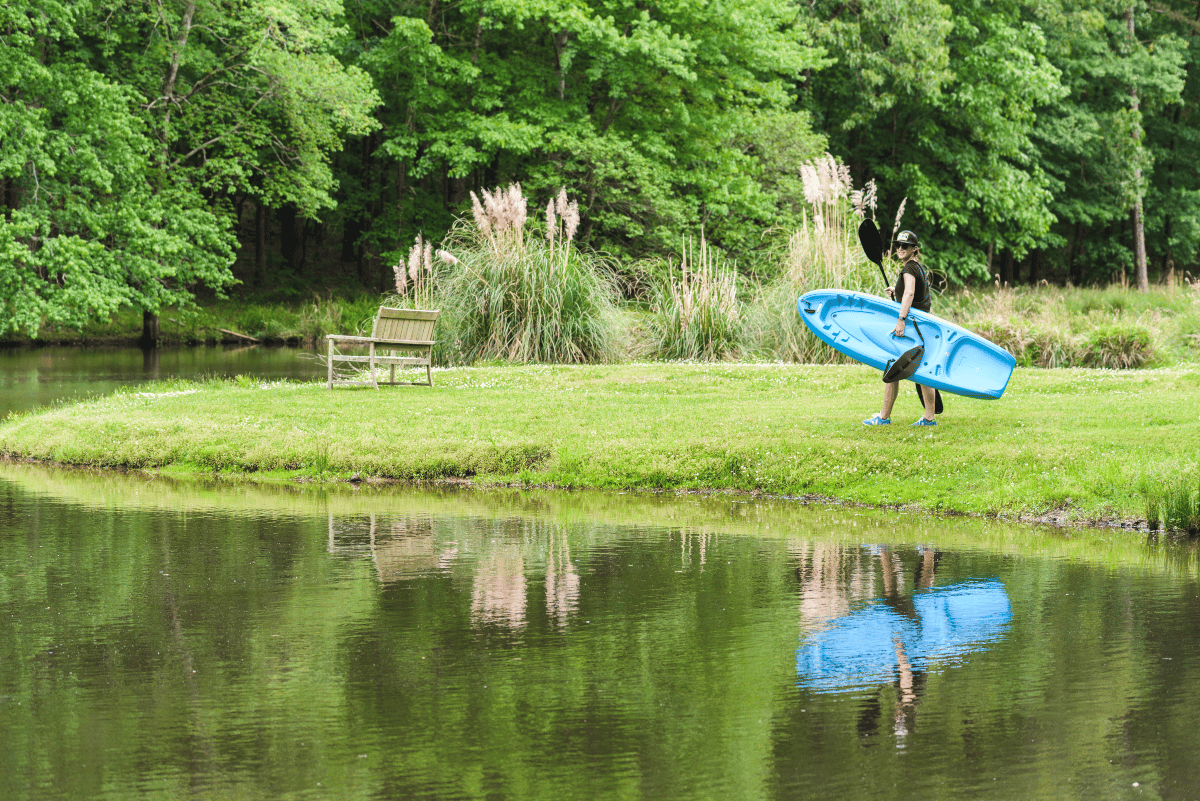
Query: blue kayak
x,y
862,649
861,325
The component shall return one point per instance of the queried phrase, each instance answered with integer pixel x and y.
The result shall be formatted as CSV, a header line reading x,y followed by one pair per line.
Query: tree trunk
x,y
150,330
1074,276
1006,268
1035,266
260,243
291,236
1139,225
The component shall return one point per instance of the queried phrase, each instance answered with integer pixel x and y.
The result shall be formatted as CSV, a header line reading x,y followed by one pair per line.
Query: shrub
x,y
823,252
695,313
1116,345
508,295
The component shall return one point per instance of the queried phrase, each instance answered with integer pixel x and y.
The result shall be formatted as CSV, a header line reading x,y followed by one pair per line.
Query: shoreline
x,y
1062,447
1058,519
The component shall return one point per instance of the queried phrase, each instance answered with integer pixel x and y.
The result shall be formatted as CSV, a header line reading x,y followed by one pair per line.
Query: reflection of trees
x,y
562,581
498,561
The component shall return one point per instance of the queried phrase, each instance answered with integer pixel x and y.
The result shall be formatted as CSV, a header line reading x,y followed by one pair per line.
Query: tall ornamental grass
x,y
695,314
823,253
511,295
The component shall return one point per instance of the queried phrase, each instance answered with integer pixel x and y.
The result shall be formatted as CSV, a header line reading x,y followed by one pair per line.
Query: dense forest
x,y
153,150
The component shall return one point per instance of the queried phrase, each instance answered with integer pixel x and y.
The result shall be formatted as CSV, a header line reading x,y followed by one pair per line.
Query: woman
x,y
913,288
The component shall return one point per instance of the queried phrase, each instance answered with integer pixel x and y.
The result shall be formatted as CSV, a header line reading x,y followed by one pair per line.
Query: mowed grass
x,y
1077,443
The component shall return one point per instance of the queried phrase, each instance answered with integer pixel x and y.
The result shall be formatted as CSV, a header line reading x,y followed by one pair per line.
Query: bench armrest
x,y
367,340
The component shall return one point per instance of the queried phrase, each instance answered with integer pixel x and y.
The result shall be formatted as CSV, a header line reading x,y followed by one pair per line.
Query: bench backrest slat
x,y
408,324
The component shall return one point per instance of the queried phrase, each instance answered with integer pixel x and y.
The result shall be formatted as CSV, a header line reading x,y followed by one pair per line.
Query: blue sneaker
x,y
876,420
923,422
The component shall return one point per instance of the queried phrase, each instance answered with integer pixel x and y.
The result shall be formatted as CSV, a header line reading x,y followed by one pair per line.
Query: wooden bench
x,y
398,337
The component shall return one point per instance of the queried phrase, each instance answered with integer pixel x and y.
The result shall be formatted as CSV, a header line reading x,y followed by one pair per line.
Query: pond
x,y
221,640
32,377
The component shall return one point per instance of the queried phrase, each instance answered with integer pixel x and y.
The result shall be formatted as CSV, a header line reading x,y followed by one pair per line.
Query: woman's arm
x,y
910,291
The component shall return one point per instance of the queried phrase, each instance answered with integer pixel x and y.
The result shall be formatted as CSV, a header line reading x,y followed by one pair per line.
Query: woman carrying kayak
x,y
913,289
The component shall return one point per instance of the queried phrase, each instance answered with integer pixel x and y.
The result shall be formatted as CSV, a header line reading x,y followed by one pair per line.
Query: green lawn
x,y
1072,443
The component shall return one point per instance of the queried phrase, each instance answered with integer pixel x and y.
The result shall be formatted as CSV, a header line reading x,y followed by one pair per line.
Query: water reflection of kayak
x,y
863,648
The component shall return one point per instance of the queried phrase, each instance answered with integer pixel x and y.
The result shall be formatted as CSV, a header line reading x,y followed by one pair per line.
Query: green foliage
x,y
637,108
127,132
88,226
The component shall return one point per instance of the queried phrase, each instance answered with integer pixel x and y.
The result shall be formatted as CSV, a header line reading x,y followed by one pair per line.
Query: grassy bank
x,y
1064,443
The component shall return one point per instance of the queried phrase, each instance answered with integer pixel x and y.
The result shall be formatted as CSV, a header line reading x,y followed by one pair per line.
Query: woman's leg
x,y
929,398
889,398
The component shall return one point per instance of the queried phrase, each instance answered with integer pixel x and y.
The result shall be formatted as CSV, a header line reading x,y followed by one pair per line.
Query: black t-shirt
x,y
921,298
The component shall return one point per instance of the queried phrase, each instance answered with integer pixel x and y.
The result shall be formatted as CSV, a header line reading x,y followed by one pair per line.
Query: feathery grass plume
x,y
447,257
899,217
415,278
824,252
550,222
695,313
481,218
571,219
525,298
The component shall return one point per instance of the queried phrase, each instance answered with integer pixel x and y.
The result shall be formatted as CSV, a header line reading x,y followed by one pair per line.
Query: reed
x,y
1172,502
509,295
823,252
695,314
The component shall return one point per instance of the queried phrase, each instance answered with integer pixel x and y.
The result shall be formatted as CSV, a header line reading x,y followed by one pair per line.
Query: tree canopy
x,y
151,150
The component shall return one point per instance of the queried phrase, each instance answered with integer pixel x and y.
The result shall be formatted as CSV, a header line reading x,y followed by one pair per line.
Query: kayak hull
x,y
861,325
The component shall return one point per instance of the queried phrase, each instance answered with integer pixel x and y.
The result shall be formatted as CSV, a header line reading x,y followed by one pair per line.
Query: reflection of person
x,y
912,287
909,680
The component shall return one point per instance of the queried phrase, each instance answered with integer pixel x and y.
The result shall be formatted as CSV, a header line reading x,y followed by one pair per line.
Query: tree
x,y
938,104
649,113
132,132
87,227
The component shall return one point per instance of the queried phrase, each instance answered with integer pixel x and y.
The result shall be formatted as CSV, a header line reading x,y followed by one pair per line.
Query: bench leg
x,y
329,375
393,381
374,381
429,374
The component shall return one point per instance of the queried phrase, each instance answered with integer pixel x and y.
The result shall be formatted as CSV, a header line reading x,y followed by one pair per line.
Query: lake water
x,y
31,377
222,640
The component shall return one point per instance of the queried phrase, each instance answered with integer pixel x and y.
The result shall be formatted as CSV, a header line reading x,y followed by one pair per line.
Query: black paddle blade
x,y
904,366
872,243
